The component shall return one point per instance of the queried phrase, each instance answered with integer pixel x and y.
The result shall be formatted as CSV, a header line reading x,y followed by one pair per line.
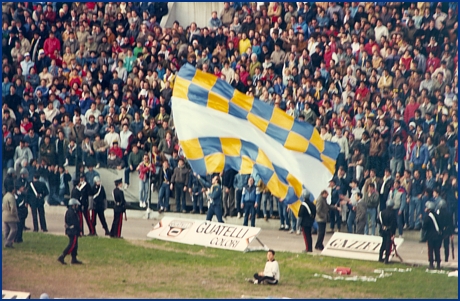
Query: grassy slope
x,y
119,268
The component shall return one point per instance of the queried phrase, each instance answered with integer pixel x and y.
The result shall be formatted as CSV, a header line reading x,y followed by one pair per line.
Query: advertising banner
x,y
356,246
204,233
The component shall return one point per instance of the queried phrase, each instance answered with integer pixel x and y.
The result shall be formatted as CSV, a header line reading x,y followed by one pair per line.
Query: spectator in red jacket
x,y
51,44
50,15
411,107
116,150
433,61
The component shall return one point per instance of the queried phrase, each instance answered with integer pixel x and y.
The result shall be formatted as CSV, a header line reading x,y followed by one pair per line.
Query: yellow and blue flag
x,y
220,128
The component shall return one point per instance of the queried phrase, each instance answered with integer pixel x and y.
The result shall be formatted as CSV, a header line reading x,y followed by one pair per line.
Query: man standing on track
x,y
99,205
36,199
179,182
72,230
307,214
9,216
433,229
85,192
21,204
118,209
387,220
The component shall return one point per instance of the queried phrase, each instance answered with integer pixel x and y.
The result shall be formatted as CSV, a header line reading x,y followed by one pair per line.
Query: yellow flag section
x,y
220,128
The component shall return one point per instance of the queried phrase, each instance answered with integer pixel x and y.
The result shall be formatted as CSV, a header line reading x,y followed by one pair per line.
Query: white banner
x,y
356,246
204,233
14,295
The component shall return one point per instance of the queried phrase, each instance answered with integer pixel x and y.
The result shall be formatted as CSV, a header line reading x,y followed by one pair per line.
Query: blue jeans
x,y
54,195
284,218
336,217
396,165
180,194
399,220
405,213
415,208
143,191
61,195
101,158
127,172
267,198
163,196
9,164
351,221
370,217
85,156
249,209
258,198
238,193
215,209
293,220
197,201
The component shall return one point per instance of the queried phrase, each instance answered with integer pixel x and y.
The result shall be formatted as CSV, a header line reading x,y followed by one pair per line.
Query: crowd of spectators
x,y
92,83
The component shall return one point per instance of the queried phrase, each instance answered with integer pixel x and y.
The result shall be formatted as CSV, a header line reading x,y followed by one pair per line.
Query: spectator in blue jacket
x,y
248,202
397,153
215,22
419,158
214,195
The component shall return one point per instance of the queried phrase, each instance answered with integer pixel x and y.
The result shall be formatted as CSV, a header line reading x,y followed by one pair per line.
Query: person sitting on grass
x,y
271,273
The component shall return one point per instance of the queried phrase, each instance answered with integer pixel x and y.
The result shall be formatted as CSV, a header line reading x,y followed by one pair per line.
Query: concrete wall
x,y
188,12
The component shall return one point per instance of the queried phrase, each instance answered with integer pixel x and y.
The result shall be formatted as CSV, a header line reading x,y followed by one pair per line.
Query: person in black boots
x,y
447,226
75,194
387,220
432,226
99,205
85,191
72,230
307,214
118,209
36,199
21,204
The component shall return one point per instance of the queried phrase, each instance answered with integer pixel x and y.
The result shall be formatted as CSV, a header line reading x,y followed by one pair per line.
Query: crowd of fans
x,y
91,84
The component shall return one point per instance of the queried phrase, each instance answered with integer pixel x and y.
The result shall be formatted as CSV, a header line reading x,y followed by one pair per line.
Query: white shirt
x,y
110,137
272,269
95,113
353,200
124,137
343,143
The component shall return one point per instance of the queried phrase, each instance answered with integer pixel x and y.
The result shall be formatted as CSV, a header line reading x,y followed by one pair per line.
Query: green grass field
x,y
157,269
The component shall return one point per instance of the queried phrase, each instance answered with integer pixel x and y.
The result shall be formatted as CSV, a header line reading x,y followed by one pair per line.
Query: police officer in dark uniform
x,y
118,209
447,226
432,226
85,191
36,194
21,204
23,181
99,204
72,230
307,214
75,194
387,220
